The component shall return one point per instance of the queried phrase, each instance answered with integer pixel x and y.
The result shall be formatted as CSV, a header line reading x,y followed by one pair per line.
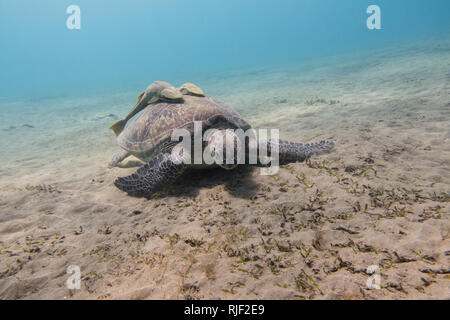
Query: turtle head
x,y
223,146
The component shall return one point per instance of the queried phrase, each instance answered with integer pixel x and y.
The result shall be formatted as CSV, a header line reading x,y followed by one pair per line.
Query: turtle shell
x,y
149,132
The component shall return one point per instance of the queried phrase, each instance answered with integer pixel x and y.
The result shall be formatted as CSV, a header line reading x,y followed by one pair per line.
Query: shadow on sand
x,y
238,182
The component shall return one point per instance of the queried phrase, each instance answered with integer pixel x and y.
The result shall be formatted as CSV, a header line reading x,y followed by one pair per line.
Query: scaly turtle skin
x,y
148,137
157,91
149,133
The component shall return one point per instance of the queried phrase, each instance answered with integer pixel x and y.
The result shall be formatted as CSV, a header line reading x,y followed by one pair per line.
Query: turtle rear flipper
x,y
293,151
151,177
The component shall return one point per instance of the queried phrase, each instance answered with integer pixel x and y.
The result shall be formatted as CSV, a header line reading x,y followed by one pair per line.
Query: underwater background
x,y
310,68
125,45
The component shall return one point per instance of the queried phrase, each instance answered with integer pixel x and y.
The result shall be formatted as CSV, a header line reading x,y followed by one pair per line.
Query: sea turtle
x,y
157,91
149,137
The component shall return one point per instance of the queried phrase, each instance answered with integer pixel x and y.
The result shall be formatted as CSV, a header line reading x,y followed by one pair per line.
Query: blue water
x,y
128,44
310,68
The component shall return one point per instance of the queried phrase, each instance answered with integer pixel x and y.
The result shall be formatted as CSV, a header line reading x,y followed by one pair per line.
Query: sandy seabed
x,y
309,232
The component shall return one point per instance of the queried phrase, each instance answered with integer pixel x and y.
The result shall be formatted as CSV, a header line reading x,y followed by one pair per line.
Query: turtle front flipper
x,y
119,157
162,170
